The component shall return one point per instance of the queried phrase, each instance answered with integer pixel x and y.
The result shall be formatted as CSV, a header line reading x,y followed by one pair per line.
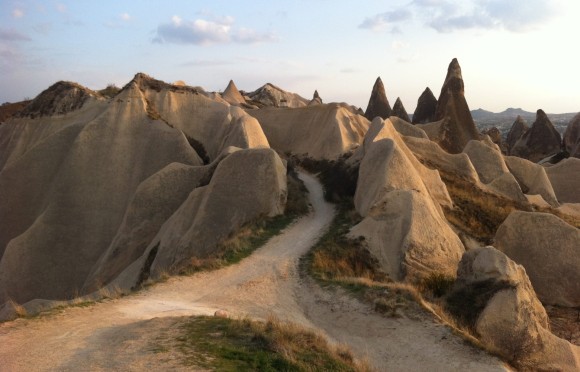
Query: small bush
x,y
437,284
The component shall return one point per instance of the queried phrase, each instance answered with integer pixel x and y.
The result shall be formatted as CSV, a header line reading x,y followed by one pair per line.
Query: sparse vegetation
x,y
436,285
245,345
110,91
338,178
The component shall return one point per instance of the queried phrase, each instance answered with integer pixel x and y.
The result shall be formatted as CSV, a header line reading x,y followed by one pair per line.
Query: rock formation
x,y
495,136
457,127
272,96
519,127
8,110
319,131
540,141
532,178
493,295
378,103
572,137
548,249
232,95
399,111
565,179
488,161
399,198
316,100
103,176
426,108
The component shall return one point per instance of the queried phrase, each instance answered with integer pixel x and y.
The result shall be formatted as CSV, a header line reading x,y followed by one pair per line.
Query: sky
x,y
513,53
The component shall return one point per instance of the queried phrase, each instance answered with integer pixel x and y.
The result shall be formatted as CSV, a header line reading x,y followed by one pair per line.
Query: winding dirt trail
x,y
118,334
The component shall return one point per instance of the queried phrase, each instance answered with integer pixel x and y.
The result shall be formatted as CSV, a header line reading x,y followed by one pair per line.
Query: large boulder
x,y
548,248
493,295
320,131
572,137
540,141
426,108
403,225
532,178
565,179
517,130
399,111
487,160
378,103
458,126
246,185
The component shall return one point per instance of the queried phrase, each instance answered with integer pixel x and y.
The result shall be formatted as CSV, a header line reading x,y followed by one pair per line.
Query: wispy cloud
x,y
381,21
125,17
453,15
207,32
12,35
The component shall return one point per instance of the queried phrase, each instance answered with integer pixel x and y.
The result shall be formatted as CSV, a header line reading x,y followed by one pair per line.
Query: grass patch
x,y
436,285
336,257
476,212
245,345
110,91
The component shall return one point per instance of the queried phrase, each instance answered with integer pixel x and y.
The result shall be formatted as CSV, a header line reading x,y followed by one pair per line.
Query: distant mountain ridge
x,y
485,119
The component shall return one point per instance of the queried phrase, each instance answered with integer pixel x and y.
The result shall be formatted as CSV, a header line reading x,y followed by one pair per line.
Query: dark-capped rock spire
x,y
519,127
426,108
540,141
399,111
378,103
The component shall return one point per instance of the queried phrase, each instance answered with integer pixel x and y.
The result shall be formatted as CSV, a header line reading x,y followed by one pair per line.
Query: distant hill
x,y
503,121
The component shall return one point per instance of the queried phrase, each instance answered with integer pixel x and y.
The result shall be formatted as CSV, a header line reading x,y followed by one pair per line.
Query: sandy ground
x,y
121,334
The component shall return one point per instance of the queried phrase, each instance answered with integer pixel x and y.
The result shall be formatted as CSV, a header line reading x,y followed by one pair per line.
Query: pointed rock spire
x,y
399,111
426,108
572,137
519,127
458,127
232,95
540,141
378,103
316,100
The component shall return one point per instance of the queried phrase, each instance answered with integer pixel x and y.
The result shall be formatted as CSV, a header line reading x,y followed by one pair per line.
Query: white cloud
x,y
453,15
17,13
220,30
61,8
125,17
398,45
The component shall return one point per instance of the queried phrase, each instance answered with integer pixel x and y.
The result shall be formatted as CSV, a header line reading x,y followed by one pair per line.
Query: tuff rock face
x,y
232,95
273,96
103,176
526,237
572,137
540,141
519,127
495,136
458,126
399,111
426,108
506,314
378,103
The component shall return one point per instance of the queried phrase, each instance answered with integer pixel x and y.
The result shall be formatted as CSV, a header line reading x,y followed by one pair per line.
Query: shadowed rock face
x,y
495,135
426,108
458,127
540,141
378,103
8,110
60,98
572,137
519,127
399,111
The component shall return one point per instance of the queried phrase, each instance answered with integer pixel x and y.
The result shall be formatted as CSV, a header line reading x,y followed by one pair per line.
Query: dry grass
x,y
246,345
565,323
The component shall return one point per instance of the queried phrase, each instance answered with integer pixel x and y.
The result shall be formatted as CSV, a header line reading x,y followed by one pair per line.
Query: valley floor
x,y
122,334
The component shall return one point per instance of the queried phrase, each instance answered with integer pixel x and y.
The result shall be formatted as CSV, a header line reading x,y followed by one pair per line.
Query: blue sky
x,y
518,53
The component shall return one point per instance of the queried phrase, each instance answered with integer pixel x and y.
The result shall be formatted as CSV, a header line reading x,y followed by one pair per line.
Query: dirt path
x,y
118,334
